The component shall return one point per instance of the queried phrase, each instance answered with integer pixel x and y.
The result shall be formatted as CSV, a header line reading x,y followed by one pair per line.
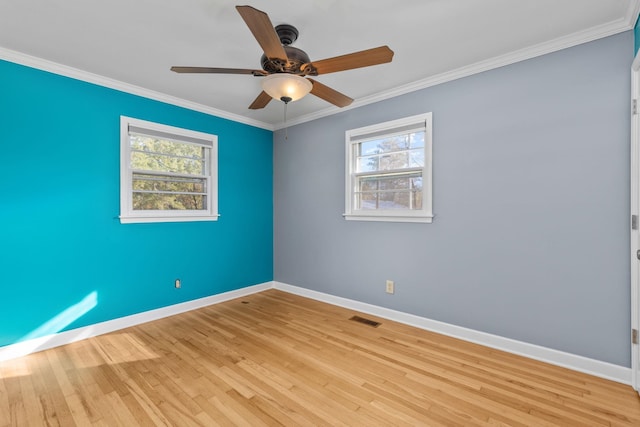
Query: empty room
x,y
319,213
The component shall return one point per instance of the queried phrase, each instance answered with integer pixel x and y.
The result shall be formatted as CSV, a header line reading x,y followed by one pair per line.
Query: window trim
x,y
356,136
127,214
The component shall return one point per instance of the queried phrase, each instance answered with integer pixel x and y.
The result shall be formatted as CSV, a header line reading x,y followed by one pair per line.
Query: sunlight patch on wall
x,y
65,318
38,338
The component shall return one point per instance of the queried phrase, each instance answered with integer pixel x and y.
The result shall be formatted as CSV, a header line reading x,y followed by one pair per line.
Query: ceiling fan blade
x,y
364,58
261,101
330,95
262,29
213,70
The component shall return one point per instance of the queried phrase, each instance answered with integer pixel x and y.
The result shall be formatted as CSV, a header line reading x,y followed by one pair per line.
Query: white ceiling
x,y
130,44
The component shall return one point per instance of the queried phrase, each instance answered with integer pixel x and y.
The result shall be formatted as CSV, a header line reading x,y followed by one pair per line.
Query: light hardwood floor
x,y
277,359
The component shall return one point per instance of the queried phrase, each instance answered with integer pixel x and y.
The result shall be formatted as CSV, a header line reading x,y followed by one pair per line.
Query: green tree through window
x,y
184,189
167,173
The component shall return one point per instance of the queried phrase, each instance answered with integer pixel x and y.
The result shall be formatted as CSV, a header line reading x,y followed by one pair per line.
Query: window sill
x,y
144,219
428,219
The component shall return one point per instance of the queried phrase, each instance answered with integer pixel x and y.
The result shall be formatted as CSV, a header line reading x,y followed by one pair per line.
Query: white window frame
x,y
355,136
127,213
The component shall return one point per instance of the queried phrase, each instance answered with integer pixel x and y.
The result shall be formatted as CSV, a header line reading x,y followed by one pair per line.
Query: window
x,y
166,173
388,171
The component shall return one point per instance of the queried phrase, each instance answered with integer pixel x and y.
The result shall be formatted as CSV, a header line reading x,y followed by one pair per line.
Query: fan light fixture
x,y
286,87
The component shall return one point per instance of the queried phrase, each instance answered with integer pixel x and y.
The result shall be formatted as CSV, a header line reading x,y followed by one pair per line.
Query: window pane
x,y
394,183
384,145
389,200
417,140
417,198
145,143
368,148
416,183
160,183
368,164
166,156
394,143
154,201
395,200
385,183
367,201
416,158
369,184
394,161
398,152
164,163
397,192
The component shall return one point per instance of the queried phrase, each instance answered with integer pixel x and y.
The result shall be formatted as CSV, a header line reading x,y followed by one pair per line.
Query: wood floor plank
x,y
274,358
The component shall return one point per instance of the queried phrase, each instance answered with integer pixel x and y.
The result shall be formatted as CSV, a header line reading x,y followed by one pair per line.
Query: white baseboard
x,y
23,348
589,366
594,367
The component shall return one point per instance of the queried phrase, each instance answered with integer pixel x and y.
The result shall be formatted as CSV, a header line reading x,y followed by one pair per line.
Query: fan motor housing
x,y
297,58
298,63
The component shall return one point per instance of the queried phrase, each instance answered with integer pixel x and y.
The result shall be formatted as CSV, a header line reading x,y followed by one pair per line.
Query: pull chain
x,y
286,101
286,133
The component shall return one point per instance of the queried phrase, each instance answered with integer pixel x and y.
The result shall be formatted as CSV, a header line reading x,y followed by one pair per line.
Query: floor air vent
x,y
365,321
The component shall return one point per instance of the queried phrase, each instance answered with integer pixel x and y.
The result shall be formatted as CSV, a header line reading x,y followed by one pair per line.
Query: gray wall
x,y
531,196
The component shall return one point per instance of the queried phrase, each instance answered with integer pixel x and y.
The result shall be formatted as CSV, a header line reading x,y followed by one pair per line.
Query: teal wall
x,y
60,240
636,36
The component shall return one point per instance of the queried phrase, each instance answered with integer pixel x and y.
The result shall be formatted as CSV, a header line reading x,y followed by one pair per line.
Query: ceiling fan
x,y
285,69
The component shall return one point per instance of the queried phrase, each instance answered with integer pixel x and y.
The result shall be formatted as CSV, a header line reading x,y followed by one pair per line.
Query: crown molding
x,y
75,73
574,39
632,13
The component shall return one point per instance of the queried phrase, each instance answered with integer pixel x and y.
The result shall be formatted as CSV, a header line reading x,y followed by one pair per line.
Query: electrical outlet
x,y
178,283
390,286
